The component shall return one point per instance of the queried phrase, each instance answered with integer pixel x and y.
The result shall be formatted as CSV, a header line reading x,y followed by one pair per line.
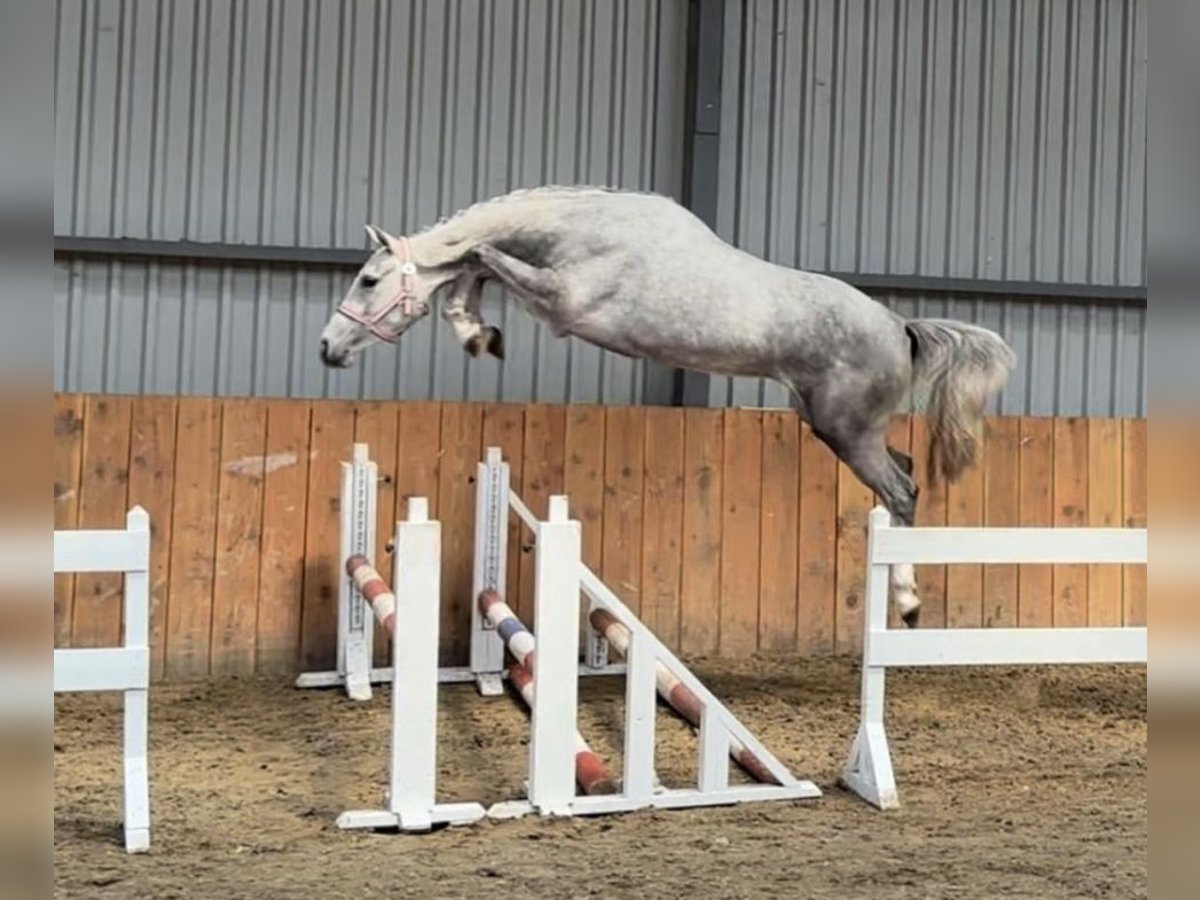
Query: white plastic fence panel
x,y
1008,646
868,771
101,551
101,669
126,668
1009,545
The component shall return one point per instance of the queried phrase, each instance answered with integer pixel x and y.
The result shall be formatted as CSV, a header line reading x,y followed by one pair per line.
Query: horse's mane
x,y
532,193
457,230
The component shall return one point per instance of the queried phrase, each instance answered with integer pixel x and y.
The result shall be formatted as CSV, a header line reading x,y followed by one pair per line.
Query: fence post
x,y
555,674
415,667
869,768
137,700
640,711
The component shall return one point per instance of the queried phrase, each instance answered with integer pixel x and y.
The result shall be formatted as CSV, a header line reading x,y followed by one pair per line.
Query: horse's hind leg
x,y
886,472
903,460
903,578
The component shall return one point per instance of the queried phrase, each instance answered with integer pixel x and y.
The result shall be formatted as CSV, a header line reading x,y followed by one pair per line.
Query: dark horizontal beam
x,y
935,284
108,248
216,252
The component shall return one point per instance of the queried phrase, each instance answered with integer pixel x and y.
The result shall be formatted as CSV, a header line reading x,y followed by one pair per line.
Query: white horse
x,y
640,275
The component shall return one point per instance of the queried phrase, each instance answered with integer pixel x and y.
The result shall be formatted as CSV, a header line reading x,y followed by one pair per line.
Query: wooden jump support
x,y
555,746
412,779
868,770
353,669
590,771
560,576
676,694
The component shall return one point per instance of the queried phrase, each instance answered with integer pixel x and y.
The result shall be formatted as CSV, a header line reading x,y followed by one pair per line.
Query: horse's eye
x,y
368,282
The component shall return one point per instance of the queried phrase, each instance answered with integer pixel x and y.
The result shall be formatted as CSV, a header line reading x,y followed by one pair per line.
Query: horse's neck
x,y
447,242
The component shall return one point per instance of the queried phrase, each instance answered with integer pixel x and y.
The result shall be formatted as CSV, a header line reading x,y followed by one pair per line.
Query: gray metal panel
x,y
162,327
281,122
289,123
986,139
999,140
993,140
1073,358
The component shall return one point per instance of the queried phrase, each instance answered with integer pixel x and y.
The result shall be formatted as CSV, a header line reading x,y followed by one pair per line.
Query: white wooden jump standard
x,y
354,671
412,779
125,668
355,624
559,577
868,770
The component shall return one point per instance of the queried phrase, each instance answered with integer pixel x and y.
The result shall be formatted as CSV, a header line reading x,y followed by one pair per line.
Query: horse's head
x,y
389,294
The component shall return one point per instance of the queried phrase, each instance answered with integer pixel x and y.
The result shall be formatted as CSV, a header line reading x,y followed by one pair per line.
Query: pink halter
x,y
404,298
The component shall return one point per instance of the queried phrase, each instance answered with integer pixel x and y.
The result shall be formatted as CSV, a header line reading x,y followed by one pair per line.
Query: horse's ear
x,y
381,238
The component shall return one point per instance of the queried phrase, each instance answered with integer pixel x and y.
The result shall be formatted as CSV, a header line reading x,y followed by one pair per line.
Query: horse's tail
x,y
956,366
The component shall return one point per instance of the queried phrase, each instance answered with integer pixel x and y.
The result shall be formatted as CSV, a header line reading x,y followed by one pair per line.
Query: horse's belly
x,y
677,347
607,339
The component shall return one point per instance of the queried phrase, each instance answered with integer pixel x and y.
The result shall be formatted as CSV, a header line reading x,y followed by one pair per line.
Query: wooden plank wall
x,y
730,531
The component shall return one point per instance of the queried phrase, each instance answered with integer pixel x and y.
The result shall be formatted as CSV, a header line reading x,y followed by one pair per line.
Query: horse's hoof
x,y
911,617
474,345
495,342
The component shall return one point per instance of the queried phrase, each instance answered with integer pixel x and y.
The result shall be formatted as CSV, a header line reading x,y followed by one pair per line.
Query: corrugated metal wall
x,y
165,327
293,122
1073,358
991,139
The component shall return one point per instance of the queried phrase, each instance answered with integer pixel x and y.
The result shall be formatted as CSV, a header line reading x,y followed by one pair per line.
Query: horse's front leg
x,y
463,311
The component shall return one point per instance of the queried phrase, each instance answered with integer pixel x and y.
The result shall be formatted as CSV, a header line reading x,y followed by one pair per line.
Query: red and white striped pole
x,y
374,590
677,694
590,771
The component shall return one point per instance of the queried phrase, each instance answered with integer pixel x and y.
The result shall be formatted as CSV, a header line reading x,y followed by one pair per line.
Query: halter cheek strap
x,y
405,298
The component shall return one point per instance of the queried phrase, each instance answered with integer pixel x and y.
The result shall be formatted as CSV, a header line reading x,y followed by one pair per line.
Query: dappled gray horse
x,y
640,275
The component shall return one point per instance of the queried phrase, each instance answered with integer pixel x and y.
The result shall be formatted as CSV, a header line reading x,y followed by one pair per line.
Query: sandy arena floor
x,y
1014,783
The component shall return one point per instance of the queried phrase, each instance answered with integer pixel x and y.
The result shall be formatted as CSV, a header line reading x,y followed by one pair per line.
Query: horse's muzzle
x,y
332,359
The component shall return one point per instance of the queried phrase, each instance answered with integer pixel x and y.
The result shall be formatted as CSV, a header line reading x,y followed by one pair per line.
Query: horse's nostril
x,y
326,357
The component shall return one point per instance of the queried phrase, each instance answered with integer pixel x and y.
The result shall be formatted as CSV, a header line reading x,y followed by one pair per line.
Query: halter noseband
x,y
404,299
